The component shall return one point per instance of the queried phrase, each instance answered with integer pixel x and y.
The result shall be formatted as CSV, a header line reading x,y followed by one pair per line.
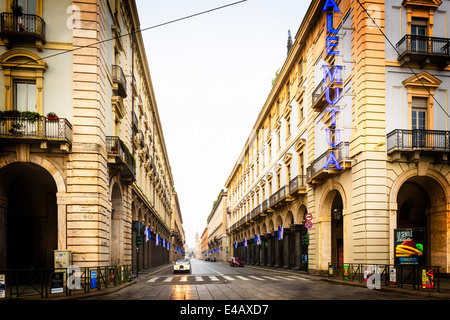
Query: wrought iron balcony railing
x,y
38,128
24,27
411,140
121,155
297,183
416,48
341,152
120,80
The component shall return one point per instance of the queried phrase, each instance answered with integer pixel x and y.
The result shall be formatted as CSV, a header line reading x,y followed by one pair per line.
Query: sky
x,y
211,76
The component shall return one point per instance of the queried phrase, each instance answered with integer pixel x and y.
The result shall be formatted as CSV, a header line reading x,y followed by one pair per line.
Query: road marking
x,y
243,278
168,279
199,278
153,279
183,279
271,278
257,278
213,278
228,278
284,278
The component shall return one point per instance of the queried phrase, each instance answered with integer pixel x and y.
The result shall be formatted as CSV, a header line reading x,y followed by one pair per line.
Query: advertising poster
x,y
111,276
427,279
57,284
93,279
393,276
409,246
2,286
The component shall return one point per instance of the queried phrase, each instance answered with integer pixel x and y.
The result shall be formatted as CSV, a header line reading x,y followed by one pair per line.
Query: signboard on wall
x,y
409,246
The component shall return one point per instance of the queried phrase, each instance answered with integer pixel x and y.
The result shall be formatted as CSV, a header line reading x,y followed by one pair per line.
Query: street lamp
x,y
337,214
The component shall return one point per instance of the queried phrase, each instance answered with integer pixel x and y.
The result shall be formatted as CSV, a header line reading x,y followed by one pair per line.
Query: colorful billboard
x,y
409,246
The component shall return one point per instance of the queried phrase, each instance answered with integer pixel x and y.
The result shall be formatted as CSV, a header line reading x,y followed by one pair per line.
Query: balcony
x,y
297,185
411,145
18,129
424,50
277,197
318,97
120,158
317,170
119,81
22,28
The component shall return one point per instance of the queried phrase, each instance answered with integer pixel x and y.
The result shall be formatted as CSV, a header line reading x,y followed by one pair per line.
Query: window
x,y
419,121
278,181
28,6
25,96
419,113
300,111
288,173
288,92
301,163
418,32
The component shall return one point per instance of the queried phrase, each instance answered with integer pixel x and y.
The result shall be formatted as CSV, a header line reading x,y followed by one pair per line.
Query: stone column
x,y
269,250
286,237
263,251
3,232
258,255
277,250
297,248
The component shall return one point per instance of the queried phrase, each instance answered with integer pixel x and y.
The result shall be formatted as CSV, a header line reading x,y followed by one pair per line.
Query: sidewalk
x,y
444,284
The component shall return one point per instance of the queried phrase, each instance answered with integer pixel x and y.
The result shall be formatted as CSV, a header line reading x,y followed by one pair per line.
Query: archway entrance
x,y
117,226
30,221
337,234
421,204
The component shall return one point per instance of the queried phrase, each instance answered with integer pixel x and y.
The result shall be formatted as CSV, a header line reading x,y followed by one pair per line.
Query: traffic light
x,y
138,239
305,239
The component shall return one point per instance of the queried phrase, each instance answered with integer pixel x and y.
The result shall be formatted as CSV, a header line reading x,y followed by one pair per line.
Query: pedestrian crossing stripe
x,y
229,278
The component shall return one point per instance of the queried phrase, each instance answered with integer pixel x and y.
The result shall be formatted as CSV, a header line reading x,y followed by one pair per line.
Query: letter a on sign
x,y
331,3
332,160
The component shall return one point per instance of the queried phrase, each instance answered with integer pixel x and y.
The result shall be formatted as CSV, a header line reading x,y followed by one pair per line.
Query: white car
x,y
182,266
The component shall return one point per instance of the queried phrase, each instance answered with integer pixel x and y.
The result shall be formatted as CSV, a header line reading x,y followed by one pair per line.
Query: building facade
x,y
204,243
92,178
218,246
349,154
178,238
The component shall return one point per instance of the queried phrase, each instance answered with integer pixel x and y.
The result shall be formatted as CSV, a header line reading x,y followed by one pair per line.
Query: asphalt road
x,y
219,281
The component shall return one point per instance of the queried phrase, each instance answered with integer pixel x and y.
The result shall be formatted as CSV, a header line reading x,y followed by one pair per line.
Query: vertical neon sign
x,y
334,76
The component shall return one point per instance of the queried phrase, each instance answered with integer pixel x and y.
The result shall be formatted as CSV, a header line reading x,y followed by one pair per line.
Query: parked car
x,y
213,259
182,265
236,262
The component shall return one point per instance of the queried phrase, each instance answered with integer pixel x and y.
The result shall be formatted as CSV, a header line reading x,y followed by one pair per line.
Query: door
x,y
419,120
418,35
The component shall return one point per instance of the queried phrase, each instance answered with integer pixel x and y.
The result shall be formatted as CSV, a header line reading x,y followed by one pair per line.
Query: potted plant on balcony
x,y
12,113
16,129
30,116
52,116
114,147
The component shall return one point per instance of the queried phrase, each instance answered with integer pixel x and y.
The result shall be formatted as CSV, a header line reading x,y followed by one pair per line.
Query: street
x,y
219,281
